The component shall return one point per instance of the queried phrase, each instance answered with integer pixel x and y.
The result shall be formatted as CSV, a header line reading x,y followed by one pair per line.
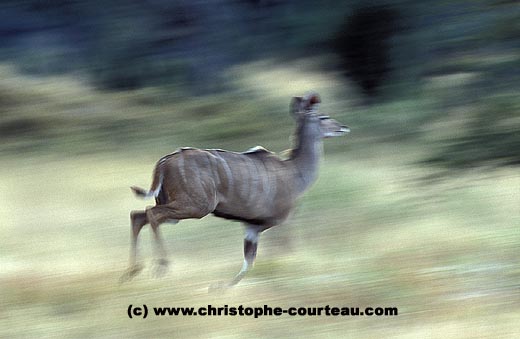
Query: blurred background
x,y
417,208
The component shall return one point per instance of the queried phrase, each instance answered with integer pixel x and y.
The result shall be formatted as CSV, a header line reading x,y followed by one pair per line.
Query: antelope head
x,y
305,112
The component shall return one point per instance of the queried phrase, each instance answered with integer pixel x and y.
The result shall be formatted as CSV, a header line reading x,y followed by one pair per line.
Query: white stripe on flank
x,y
155,193
229,175
253,190
266,182
181,168
246,181
214,169
198,178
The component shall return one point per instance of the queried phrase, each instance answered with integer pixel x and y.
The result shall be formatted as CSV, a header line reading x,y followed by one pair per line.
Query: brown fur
x,y
255,187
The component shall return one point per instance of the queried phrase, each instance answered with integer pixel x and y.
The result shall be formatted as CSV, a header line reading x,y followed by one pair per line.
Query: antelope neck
x,y
306,154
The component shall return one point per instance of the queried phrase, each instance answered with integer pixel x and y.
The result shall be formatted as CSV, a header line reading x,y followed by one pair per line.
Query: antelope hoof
x,y
219,286
130,273
160,268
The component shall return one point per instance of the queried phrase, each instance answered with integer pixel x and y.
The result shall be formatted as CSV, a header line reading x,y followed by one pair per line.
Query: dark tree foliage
x,y
491,138
363,43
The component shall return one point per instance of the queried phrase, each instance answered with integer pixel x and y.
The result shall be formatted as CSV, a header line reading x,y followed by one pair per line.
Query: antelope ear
x,y
296,106
311,99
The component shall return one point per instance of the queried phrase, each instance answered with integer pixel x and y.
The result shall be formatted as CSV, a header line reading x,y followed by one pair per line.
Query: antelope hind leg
x,y
138,220
172,212
161,263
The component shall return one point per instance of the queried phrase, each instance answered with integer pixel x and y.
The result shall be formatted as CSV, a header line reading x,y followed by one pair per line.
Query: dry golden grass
x,y
446,257
375,230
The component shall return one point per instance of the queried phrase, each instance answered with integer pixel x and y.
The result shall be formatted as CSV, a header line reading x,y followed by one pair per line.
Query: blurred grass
x,y
379,228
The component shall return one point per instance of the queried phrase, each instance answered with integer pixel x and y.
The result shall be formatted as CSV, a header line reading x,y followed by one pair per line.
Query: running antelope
x,y
255,187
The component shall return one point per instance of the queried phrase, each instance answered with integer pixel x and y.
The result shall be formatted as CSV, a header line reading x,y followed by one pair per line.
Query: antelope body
x,y
255,187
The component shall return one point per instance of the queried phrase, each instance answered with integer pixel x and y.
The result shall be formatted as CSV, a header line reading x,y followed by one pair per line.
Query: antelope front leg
x,y
250,246
138,220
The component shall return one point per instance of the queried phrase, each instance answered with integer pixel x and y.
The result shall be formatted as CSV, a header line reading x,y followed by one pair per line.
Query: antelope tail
x,y
156,185
140,192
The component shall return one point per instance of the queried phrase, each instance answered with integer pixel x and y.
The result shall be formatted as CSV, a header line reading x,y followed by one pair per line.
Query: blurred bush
x,y
418,61
490,138
364,42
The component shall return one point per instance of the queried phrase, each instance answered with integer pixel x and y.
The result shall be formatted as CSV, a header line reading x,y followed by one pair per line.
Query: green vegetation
x,y
417,208
380,227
